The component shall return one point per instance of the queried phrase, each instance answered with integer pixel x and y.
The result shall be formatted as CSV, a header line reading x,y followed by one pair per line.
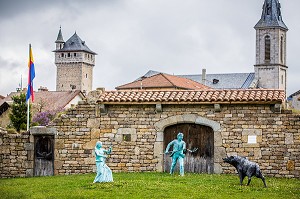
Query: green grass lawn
x,y
149,185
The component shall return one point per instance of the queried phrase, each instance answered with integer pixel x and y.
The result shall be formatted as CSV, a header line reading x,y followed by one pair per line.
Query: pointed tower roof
x,y
60,38
75,44
271,16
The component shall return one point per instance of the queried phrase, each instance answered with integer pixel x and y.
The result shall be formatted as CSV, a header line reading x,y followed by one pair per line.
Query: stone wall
x,y
15,155
277,134
276,149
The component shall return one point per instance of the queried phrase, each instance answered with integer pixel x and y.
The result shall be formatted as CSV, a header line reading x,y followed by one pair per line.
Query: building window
x,y
62,54
267,48
127,137
69,54
281,49
75,54
86,75
282,79
252,139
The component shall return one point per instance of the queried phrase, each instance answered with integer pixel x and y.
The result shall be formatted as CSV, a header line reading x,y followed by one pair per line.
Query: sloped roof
x,y
256,96
294,94
271,16
225,81
75,44
60,38
51,100
218,81
161,80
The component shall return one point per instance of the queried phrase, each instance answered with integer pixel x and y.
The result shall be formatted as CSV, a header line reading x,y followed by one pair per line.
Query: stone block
x,y
90,145
290,166
289,138
95,133
29,173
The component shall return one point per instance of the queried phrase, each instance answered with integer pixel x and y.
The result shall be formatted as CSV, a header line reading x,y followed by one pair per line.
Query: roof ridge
x,y
164,75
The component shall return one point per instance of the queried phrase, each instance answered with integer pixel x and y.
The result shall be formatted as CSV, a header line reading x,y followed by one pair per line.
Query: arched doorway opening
x,y
195,136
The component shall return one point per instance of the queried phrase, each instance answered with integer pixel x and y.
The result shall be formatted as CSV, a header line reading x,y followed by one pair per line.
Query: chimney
x,y
203,76
42,89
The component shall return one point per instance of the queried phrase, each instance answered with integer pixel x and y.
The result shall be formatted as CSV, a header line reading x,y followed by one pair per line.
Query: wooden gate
x,y
44,159
202,137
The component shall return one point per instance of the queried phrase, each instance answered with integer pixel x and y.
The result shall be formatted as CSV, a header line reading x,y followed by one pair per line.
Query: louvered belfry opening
x,y
267,49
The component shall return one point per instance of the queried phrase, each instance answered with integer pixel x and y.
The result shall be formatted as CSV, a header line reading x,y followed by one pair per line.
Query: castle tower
x,y
271,68
75,63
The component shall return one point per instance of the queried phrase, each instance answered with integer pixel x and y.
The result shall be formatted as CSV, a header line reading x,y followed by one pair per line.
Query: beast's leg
x,y
262,178
241,178
249,180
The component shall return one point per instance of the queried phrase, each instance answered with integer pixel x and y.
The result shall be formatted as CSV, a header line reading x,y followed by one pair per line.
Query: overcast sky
x,y
134,36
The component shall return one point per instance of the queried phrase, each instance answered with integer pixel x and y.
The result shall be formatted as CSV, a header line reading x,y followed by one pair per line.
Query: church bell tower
x,y
270,67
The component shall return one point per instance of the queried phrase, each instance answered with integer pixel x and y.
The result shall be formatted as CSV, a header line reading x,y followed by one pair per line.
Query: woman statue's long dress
x,y
104,173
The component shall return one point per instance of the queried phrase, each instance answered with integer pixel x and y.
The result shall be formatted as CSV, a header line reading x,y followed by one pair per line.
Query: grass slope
x,y
148,185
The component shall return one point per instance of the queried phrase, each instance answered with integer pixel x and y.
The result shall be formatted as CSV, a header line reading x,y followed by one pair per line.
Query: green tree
x,y
18,115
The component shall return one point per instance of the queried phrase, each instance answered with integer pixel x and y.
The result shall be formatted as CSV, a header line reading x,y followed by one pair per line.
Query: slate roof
x,y
271,16
225,81
219,81
163,81
60,38
75,44
294,94
255,96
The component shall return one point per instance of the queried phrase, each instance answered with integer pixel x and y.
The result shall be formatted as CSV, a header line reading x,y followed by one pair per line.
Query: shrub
x,y
18,115
43,118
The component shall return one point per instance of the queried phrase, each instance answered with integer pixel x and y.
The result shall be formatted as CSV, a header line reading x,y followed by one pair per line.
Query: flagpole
x,y
28,102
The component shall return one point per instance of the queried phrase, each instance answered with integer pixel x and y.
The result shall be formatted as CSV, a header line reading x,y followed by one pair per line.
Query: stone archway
x,y
160,126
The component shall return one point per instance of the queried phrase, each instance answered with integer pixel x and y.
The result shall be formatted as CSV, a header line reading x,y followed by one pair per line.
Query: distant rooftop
x,y
163,81
218,81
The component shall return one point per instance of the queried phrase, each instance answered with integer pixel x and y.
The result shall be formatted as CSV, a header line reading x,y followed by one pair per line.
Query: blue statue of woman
x,y
104,173
179,147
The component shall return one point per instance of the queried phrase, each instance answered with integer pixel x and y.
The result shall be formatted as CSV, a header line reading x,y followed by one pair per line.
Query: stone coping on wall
x,y
42,130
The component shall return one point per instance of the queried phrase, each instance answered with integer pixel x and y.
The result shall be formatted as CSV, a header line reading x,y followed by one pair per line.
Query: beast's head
x,y
231,160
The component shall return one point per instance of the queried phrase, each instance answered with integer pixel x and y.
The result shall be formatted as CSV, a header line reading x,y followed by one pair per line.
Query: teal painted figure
x,y
104,173
177,154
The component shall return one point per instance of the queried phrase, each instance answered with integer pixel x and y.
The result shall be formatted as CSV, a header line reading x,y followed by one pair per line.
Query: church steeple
x,y
270,67
271,16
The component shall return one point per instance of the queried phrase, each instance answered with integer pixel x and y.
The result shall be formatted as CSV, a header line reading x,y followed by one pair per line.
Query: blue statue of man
x,y
179,147
104,173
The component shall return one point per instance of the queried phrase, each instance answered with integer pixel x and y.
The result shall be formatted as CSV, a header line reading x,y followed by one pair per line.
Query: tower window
x,y
69,54
281,79
267,48
86,75
281,49
62,54
75,54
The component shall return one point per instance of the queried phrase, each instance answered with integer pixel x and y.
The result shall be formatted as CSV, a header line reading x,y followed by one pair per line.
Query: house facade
x,y
44,101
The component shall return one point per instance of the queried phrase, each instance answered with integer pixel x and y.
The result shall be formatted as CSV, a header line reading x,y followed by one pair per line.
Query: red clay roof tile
x,y
193,96
164,81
